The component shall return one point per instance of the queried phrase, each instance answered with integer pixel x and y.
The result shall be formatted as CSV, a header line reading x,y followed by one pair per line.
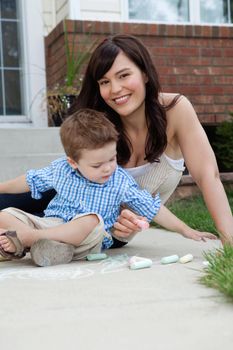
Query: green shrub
x,y
224,143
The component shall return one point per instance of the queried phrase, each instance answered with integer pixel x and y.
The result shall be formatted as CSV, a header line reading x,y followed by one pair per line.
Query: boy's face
x,y
96,165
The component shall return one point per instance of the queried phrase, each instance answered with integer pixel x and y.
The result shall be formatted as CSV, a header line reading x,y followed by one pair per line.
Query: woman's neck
x,y
135,124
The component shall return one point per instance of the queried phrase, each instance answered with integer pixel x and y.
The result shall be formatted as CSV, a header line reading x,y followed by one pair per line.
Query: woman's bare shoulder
x,y
166,98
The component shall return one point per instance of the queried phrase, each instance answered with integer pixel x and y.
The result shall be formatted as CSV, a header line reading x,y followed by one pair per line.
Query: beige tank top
x,y
162,177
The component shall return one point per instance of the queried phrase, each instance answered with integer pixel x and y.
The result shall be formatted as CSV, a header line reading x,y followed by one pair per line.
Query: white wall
x,y
103,10
55,11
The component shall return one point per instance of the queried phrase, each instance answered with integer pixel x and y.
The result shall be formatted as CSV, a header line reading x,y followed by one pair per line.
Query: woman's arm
x,y
166,219
14,193
17,185
201,163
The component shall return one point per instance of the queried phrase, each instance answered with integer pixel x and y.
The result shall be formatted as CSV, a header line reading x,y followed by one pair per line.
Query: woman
x,y
158,131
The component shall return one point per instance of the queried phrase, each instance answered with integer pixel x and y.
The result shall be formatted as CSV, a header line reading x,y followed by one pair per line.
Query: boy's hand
x,y
127,223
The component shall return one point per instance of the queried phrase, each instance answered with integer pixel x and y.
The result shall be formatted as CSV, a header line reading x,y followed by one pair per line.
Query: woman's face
x,y
123,86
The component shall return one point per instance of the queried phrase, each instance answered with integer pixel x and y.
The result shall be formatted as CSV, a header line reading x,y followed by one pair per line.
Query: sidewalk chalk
x,y
142,224
137,262
186,258
205,263
98,256
169,259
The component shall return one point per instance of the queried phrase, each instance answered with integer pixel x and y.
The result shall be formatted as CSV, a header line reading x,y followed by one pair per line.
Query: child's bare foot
x,y
5,243
25,239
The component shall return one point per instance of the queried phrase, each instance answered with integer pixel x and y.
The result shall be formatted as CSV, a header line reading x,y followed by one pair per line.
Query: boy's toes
x,y
7,245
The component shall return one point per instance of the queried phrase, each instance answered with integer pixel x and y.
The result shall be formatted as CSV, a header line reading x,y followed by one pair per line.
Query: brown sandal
x,y
20,250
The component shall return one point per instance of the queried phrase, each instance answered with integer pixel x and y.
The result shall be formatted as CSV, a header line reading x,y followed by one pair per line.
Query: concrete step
x,y
24,148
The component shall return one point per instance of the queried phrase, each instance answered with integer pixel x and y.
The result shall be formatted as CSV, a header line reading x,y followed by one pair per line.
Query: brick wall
x,y
196,61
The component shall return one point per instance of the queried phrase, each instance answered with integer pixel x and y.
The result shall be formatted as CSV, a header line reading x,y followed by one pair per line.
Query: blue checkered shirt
x,y
77,195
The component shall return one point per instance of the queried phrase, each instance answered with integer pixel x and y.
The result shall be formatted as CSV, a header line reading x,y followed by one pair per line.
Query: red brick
x,y
203,99
213,90
180,30
221,118
207,118
116,27
195,80
224,80
207,31
228,53
197,31
177,42
222,61
168,80
224,31
171,30
153,29
224,99
190,90
127,28
214,108
198,42
213,52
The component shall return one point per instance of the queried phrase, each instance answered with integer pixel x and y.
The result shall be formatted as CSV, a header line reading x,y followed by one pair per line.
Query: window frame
x,y
33,67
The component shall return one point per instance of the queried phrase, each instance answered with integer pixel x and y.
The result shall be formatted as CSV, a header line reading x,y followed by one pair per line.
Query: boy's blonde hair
x,y
86,129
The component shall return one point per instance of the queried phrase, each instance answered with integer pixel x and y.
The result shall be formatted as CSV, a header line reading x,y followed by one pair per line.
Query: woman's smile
x,y
122,99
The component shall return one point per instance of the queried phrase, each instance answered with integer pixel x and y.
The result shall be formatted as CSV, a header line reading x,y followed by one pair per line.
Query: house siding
x,y
62,10
55,11
104,10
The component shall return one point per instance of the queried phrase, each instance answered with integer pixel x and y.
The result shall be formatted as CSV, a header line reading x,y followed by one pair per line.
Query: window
x,y
11,99
181,11
215,11
22,64
162,11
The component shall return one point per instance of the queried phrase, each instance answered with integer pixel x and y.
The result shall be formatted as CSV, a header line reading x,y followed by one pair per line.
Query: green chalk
x,y
98,256
169,259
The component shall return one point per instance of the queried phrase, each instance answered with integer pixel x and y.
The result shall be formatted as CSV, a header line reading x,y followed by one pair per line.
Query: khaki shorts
x,y
92,244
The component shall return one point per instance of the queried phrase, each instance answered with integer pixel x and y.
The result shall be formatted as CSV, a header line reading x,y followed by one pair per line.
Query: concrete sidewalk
x,y
105,305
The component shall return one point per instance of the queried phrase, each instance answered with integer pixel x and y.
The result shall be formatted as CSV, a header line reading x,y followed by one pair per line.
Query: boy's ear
x,y
72,163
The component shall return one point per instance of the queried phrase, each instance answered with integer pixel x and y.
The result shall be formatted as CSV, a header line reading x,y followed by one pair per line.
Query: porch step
x,y
24,148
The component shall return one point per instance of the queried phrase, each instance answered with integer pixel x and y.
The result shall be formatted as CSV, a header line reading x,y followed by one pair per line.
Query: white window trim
x,y
194,11
33,69
74,10
125,11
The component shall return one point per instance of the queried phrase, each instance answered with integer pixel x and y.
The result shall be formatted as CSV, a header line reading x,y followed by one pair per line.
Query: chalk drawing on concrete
x,y
74,270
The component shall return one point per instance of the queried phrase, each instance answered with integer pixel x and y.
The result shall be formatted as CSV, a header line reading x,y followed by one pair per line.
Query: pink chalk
x,y
142,224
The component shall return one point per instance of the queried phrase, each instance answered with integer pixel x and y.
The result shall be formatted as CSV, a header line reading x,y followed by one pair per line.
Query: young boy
x,y
90,189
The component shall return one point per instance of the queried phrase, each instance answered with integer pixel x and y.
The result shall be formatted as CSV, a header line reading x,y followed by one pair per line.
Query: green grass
x,y
219,273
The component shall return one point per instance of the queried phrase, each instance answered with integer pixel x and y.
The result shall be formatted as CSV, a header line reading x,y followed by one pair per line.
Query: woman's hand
x,y
127,224
198,235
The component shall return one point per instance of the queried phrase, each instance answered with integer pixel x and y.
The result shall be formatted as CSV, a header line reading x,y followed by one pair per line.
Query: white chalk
x,y
142,224
205,263
169,259
186,258
137,262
